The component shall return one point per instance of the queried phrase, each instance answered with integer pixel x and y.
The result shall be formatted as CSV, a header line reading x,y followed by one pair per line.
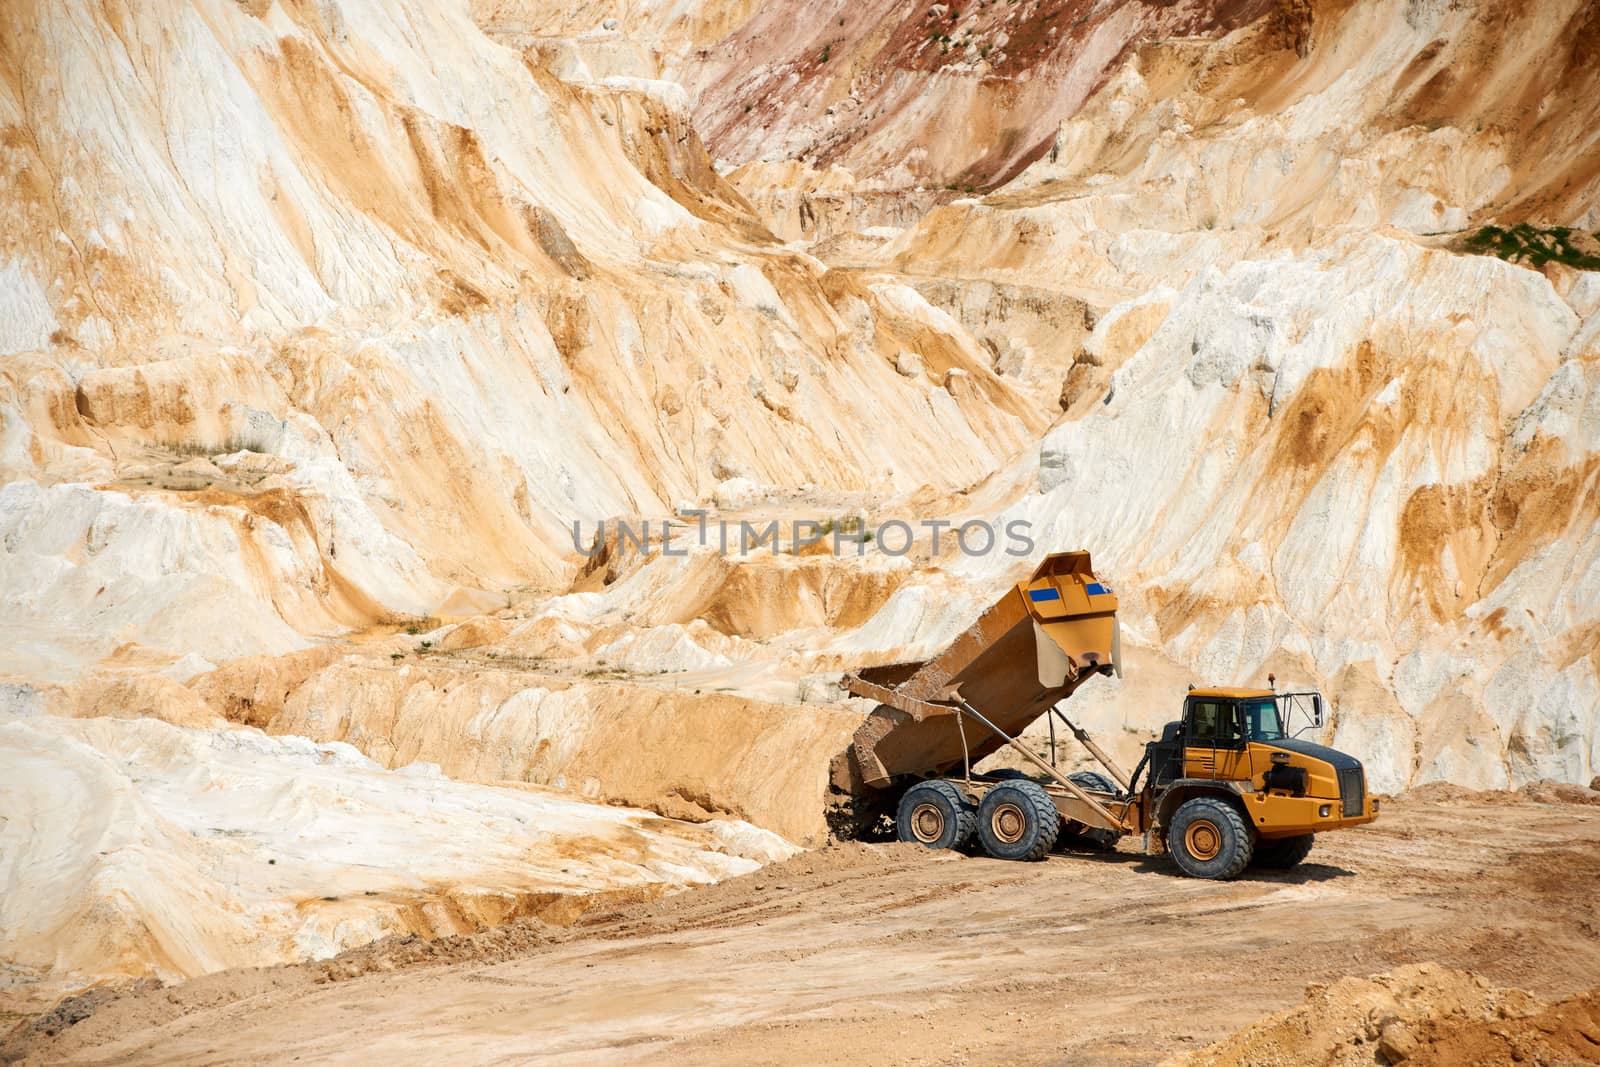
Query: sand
x,y
889,954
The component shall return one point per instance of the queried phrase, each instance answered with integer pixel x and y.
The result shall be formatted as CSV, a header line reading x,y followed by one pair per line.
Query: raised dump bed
x,y
1032,649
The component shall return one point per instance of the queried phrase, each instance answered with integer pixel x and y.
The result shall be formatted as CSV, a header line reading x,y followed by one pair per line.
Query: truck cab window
x,y
1215,722
1262,721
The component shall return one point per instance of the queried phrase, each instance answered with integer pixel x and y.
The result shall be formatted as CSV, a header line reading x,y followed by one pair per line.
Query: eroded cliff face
x,y
320,326
370,309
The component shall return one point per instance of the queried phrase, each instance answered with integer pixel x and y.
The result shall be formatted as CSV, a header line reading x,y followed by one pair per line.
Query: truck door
x,y
1214,742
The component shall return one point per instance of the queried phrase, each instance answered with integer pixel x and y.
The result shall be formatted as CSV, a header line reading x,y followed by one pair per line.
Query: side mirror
x,y
1316,710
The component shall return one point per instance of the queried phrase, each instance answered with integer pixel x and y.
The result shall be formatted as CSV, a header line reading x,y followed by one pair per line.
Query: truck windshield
x,y
1261,720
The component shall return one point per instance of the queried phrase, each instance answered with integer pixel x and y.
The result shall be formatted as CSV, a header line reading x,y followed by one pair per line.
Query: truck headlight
x,y
1325,810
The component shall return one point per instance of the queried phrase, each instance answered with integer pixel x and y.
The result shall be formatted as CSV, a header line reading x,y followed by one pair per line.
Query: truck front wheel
x,y
1209,839
936,814
1284,853
1018,821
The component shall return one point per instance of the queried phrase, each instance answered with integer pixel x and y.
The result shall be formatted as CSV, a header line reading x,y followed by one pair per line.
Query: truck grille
x,y
1352,790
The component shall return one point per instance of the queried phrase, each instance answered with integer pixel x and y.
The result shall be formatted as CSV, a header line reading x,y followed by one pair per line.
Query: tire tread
x,y
1222,812
1032,796
966,812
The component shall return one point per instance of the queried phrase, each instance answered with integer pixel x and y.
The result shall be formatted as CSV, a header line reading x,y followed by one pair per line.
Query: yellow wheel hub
x,y
927,823
1203,840
1008,823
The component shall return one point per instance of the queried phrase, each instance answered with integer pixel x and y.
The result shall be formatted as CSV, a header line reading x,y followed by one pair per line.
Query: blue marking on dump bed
x,y
1095,589
1037,595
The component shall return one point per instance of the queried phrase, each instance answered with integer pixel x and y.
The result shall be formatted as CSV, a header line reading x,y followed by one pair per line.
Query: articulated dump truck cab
x,y
1225,786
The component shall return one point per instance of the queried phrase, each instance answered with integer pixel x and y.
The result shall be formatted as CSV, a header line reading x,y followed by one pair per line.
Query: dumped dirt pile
x,y
1565,1032
1423,1014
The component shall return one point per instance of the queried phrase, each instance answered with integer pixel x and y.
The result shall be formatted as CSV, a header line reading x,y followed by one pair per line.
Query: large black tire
x,y
936,814
1209,839
1094,781
1284,853
1017,821
1077,835
1011,774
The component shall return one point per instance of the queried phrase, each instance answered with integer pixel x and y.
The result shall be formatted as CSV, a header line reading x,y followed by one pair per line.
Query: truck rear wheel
x,y
1209,839
1018,821
936,814
1284,853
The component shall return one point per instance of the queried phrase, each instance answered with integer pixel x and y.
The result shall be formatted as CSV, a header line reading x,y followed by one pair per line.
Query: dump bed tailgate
x,y
1031,649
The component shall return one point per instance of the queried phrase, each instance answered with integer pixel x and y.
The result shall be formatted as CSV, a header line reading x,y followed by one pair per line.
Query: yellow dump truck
x,y
1225,786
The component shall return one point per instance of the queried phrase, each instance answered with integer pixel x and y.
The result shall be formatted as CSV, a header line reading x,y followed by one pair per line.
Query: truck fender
x,y
1174,795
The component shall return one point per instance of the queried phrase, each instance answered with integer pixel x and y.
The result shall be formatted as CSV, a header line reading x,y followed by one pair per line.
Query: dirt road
x,y
887,955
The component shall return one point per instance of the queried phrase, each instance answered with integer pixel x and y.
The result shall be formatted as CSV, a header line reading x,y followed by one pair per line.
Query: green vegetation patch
x,y
1535,245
